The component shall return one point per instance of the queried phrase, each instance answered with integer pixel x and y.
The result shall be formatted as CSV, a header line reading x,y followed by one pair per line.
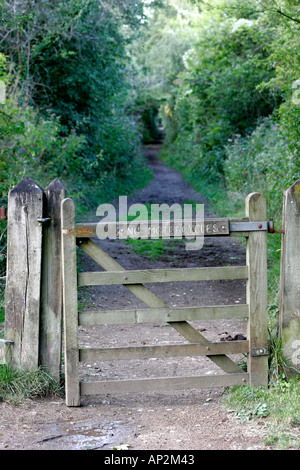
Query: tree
x,y
68,60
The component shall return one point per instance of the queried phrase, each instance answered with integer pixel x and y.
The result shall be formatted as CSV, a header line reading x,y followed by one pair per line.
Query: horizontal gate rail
x,y
162,384
163,314
162,275
174,350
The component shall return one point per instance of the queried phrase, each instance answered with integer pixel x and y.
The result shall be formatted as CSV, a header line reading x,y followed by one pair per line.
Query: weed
x,y
260,410
279,405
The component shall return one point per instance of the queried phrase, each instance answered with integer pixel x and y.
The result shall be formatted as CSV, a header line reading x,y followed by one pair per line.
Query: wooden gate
x,y
253,227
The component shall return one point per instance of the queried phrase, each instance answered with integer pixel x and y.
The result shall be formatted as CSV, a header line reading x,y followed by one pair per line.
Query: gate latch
x,y
259,352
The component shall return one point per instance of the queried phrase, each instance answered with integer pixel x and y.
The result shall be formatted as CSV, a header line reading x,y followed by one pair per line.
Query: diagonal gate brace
x,y
152,301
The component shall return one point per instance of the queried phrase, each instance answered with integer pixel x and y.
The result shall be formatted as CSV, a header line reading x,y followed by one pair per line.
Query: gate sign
x,y
154,229
162,229
173,229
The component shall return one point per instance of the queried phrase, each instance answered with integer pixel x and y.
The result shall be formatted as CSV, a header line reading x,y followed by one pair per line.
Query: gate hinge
x,y
271,228
259,352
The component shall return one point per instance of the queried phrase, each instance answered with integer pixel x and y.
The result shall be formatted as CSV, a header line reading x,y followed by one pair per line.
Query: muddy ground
x,y
178,420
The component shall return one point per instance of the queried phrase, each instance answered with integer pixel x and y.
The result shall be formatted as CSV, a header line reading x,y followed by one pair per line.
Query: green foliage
x,y
217,95
261,161
264,162
241,66
31,144
154,249
2,65
70,94
278,405
158,59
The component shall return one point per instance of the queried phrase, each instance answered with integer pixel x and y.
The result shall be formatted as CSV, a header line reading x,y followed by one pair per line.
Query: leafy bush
x,y
69,82
217,94
31,145
261,162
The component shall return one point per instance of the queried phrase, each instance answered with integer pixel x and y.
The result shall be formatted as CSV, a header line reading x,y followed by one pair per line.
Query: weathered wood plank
x,y
70,307
162,384
152,301
51,300
177,350
194,336
23,279
162,275
163,314
257,298
289,305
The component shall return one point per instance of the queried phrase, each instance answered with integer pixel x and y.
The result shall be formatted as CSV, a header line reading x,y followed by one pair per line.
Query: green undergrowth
x,y
275,409
17,385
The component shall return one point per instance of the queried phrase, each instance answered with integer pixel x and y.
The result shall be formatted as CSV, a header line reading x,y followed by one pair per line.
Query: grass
x,y
2,308
153,249
17,385
276,407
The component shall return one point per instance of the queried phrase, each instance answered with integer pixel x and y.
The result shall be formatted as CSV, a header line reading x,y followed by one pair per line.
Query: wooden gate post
x,y
23,277
289,307
257,297
70,306
51,300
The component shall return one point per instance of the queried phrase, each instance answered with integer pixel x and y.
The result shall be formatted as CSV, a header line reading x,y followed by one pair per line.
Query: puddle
x,y
89,437
97,437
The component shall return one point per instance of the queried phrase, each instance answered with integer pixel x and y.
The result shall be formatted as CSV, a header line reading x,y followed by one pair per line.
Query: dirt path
x,y
181,420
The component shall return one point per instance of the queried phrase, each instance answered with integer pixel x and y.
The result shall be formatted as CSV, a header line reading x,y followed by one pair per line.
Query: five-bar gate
x,y
253,227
